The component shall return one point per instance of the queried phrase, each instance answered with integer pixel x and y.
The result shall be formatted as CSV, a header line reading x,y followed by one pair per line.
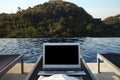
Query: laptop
x,y
61,58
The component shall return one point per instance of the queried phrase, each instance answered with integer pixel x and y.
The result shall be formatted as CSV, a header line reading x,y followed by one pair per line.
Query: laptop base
x,y
70,73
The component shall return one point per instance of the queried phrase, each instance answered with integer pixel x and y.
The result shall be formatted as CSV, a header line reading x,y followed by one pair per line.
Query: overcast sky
x,y
96,8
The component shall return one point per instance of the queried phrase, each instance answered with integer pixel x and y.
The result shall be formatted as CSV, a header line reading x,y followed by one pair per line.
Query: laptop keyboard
x,y
62,72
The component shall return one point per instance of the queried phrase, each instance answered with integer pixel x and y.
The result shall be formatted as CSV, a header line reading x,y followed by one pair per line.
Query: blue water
x,y
33,47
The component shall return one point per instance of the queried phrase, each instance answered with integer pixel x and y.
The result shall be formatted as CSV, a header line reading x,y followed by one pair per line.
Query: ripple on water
x,y
33,47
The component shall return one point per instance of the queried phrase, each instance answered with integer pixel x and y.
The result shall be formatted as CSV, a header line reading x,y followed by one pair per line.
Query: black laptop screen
x,y
61,54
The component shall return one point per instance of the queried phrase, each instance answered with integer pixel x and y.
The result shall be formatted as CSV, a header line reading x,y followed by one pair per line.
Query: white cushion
x,y
57,77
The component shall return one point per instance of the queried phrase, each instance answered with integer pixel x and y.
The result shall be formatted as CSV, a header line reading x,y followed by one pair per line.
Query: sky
x,y
97,8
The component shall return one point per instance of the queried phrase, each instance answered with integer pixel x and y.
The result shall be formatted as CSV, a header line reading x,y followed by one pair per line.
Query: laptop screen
x,y
61,55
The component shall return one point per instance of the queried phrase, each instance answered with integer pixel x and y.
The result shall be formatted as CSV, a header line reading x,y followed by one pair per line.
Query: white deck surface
x,y
15,72
107,73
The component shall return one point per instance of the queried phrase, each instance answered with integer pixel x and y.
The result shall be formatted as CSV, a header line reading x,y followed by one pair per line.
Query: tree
x,y
19,9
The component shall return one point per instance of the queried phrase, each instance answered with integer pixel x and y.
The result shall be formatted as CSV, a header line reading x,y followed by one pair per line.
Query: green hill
x,y
114,24
52,19
112,20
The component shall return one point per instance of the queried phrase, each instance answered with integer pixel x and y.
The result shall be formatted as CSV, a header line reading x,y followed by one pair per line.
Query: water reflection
x,y
33,47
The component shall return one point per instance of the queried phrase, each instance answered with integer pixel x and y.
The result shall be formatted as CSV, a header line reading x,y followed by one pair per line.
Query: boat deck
x,y
113,58
106,72
15,72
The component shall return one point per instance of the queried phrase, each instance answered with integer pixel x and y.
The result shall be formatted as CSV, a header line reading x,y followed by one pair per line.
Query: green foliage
x,y
112,20
51,19
88,27
114,25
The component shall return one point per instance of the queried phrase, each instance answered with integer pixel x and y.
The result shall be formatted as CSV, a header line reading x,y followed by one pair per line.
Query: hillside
x,y
112,20
114,23
52,19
